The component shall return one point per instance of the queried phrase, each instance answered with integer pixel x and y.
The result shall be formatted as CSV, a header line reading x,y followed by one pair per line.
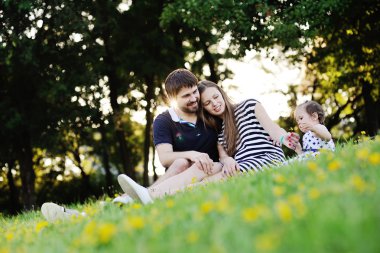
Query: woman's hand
x,y
230,166
290,140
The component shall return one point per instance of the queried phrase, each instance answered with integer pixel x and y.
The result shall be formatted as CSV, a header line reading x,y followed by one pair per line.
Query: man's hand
x,y
202,161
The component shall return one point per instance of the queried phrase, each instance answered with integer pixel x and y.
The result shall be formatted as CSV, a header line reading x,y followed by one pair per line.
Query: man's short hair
x,y
178,79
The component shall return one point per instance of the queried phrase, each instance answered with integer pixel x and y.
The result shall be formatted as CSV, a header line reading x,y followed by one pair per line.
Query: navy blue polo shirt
x,y
184,136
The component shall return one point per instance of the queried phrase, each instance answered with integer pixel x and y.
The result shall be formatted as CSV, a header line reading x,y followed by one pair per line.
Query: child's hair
x,y
312,107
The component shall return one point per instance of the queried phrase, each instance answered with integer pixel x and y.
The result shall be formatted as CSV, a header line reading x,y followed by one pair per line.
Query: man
x,y
180,137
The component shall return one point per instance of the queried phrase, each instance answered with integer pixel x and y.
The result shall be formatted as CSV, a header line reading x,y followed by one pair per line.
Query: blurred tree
x,y
338,39
42,58
106,32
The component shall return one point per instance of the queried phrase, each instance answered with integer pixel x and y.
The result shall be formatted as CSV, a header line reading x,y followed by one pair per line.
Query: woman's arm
x,y
230,166
278,134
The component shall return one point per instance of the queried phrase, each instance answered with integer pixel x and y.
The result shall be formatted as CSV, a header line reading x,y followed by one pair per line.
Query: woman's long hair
x,y
230,129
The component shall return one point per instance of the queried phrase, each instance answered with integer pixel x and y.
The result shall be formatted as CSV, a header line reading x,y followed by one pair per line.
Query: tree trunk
x,y
104,12
106,162
211,63
86,186
371,114
149,96
25,159
14,204
114,84
155,176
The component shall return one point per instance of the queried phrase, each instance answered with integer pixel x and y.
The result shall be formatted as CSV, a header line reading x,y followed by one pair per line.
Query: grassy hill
x,y
331,204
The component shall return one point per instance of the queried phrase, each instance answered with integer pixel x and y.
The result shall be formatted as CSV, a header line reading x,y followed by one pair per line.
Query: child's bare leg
x,y
180,181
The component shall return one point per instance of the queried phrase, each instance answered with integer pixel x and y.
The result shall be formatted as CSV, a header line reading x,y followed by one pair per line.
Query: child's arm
x,y
321,131
298,148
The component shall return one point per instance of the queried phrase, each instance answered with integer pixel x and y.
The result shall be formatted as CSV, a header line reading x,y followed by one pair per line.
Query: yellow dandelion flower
x,y
301,187
90,210
136,222
363,132
194,180
312,166
374,159
278,190
321,176
222,205
362,154
90,227
9,236
284,211
251,214
4,250
192,237
334,165
279,179
267,242
358,183
297,202
41,225
314,193
169,203
207,207
136,206
295,199
157,227
106,231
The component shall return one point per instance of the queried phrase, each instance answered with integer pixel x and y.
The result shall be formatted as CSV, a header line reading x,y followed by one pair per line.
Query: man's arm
x,y
167,156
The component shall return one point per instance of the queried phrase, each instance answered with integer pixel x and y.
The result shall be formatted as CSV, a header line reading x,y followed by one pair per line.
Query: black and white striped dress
x,y
254,150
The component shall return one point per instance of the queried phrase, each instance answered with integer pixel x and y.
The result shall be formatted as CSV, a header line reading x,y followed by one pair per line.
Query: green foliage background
x,y
60,61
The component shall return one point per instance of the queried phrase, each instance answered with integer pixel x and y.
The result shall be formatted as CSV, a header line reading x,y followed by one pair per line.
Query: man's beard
x,y
192,109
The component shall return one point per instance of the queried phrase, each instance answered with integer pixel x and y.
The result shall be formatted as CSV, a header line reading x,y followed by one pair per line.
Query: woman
x,y
246,129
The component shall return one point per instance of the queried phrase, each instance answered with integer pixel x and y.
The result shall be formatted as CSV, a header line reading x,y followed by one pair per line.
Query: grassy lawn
x,y
331,204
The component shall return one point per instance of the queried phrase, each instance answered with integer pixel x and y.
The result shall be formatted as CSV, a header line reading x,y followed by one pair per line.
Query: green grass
x,y
331,204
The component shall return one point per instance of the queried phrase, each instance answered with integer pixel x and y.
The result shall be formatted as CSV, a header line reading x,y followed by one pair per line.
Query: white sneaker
x,y
134,190
53,212
124,199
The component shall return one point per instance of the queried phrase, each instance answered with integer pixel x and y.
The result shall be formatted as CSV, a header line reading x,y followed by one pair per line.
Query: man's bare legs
x,y
180,181
177,167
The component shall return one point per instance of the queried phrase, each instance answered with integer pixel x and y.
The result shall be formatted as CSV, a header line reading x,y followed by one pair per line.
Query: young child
x,y
310,118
